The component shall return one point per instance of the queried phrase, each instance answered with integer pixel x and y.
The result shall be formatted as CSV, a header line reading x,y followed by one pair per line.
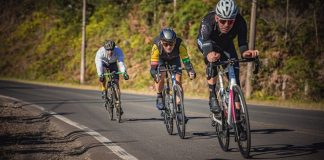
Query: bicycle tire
x,y
168,119
110,104
117,102
222,130
244,145
179,110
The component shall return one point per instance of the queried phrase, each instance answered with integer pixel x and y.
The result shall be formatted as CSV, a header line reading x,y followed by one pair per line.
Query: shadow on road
x,y
142,119
279,151
269,131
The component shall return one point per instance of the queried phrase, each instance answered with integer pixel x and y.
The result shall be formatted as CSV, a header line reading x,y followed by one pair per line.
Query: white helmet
x,y
226,9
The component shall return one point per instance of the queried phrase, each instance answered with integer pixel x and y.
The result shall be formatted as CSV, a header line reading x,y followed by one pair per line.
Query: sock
x,y
159,95
212,92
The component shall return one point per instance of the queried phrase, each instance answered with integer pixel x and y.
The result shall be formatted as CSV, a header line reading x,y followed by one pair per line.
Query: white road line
x,y
105,141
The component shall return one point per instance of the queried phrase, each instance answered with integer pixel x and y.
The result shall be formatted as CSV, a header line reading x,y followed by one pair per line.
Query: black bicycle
x,y
231,117
112,96
173,101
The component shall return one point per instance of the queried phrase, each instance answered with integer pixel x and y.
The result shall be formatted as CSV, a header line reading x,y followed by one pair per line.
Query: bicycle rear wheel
x,y
168,119
242,125
179,111
117,102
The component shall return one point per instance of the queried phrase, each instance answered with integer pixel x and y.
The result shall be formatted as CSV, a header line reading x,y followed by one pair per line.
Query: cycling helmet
x,y
109,45
168,35
226,9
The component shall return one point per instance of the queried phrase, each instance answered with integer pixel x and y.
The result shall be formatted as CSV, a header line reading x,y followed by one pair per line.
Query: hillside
x,y
41,40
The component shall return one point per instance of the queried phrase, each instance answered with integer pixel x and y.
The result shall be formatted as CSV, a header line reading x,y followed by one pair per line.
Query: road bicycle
x,y
112,96
172,101
232,117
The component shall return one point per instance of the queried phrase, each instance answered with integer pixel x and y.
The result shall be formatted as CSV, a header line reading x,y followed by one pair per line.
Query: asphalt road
x,y
277,133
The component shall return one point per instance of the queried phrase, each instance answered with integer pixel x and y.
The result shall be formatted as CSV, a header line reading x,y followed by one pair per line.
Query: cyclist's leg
x,y
159,87
103,84
211,74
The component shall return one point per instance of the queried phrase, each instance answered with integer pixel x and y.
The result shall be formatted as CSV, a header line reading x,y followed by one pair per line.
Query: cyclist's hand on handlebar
x,y
213,56
125,75
250,54
153,73
192,74
101,78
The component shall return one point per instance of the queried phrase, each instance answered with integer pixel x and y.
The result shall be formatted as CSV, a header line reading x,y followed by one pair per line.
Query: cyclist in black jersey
x,y
215,40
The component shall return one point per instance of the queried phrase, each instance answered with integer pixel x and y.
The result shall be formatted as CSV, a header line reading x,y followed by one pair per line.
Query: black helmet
x,y
109,45
167,34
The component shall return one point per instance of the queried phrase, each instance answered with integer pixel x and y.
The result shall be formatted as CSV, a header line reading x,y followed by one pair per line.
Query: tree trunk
x,y
315,26
306,88
174,7
287,19
248,87
83,60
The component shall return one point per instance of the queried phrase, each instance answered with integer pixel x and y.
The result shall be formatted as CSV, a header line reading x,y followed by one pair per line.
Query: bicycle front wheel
x,y
110,103
242,125
222,129
179,111
117,102
168,119
222,132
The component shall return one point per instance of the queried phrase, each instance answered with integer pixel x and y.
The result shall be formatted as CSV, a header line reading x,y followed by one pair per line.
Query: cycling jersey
x,y
103,59
158,53
210,37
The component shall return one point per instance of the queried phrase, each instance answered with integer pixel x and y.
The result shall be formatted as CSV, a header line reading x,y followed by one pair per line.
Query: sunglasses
x,y
228,21
166,44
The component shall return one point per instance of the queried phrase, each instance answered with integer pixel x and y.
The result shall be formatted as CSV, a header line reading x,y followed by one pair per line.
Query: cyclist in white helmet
x,y
112,57
215,41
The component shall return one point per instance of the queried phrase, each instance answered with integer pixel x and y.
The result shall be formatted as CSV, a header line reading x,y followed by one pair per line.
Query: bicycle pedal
x,y
213,124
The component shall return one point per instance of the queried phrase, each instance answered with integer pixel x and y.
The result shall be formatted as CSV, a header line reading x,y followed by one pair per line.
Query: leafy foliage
x,y
42,40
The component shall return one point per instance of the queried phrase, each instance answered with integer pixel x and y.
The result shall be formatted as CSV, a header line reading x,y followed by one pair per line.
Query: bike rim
x,y
117,105
179,109
167,113
244,146
223,134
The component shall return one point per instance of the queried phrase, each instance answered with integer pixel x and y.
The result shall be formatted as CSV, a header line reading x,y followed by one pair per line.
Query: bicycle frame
x,y
113,94
228,118
232,82
170,70
230,106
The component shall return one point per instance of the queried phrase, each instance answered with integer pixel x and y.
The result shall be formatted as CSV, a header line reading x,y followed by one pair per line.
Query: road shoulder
x,y
26,132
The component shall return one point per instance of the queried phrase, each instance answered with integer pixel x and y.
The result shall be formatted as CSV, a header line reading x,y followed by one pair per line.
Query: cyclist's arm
x,y
185,57
242,34
208,45
154,60
98,61
120,56
155,56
